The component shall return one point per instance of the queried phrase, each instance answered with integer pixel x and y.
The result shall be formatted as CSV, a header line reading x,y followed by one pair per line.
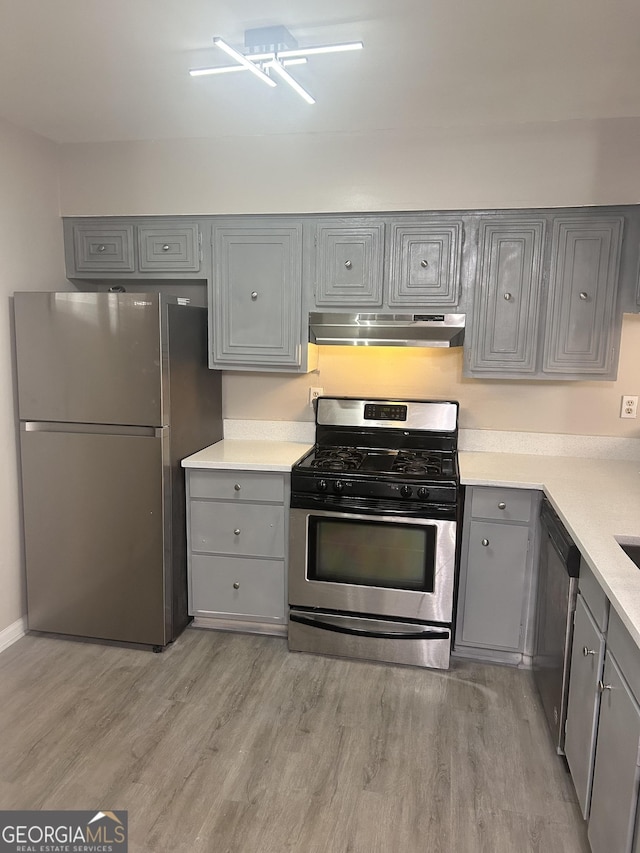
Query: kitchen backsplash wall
x,y
575,408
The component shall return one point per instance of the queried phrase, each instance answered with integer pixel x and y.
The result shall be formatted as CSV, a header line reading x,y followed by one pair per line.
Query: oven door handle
x,y
430,633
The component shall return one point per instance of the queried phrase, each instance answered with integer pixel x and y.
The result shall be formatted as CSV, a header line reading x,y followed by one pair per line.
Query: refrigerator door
x,y
90,358
94,545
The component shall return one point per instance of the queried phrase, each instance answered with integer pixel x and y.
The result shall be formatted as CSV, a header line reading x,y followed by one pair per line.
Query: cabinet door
x,y
257,294
425,263
615,779
237,587
102,248
587,657
349,260
506,299
582,295
494,588
169,247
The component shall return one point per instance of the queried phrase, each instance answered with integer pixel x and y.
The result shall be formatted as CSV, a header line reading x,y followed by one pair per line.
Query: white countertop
x,y
248,455
598,500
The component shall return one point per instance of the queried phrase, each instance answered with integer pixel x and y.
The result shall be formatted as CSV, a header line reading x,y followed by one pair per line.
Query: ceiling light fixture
x,y
272,49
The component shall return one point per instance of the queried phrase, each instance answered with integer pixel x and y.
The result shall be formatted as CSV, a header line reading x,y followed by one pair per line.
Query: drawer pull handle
x,y
236,585
424,264
348,264
166,247
237,487
102,248
254,295
584,296
502,505
507,296
602,686
485,542
586,652
237,531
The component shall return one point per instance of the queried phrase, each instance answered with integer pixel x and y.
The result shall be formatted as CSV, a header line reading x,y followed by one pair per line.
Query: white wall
x,y
527,165
31,258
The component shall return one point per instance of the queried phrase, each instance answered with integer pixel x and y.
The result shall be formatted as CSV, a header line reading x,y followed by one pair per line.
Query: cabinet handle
x,y
254,295
602,686
584,296
102,248
507,296
586,652
424,264
348,264
485,542
166,247
237,531
502,505
237,487
236,585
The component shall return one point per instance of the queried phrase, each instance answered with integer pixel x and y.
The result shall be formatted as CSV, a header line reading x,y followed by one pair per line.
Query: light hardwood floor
x,y
228,743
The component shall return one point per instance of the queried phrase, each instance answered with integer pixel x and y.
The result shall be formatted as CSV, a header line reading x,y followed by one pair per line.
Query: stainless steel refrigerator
x,y
113,391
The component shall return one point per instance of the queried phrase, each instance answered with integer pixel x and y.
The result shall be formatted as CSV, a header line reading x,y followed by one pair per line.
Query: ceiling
x,y
106,70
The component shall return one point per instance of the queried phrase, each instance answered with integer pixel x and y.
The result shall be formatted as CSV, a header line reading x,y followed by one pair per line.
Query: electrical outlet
x,y
629,407
314,393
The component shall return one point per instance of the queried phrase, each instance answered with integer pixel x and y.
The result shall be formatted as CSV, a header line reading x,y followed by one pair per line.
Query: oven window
x,y
372,553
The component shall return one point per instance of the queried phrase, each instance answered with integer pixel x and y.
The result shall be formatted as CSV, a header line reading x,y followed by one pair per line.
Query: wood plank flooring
x,y
228,743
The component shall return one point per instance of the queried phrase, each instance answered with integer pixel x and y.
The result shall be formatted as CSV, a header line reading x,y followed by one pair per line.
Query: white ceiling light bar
x,y
284,75
271,49
225,69
235,54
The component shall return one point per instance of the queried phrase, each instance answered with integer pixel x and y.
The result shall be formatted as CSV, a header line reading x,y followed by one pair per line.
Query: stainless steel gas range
x,y
375,508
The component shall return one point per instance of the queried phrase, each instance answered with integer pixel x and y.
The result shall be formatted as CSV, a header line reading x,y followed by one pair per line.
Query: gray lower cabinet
x,y
256,296
97,248
496,573
583,708
237,533
506,314
579,330
615,782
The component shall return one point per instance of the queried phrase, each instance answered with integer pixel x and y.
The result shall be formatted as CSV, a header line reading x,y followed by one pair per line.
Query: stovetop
x,y
415,463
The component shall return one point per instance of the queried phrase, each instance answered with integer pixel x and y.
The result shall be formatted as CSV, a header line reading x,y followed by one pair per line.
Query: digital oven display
x,y
384,412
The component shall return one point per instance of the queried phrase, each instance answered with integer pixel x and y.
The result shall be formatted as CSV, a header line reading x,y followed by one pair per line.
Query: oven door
x,y
389,566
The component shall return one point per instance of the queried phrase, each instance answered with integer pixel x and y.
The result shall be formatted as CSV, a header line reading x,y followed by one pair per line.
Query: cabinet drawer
x,y
501,504
236,586
171,249
237,529
100,249
594,596
236,485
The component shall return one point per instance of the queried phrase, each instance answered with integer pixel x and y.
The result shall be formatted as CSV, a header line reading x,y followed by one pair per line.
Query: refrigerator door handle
x,y
93,429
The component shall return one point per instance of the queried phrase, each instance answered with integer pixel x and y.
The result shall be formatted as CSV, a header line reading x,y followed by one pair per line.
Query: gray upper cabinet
x,y
256,315
424,263
169,247
377,262
507,295
100,248
349,262
585,257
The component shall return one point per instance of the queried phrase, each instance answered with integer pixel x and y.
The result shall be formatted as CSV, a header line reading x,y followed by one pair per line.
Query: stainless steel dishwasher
x,y
558,571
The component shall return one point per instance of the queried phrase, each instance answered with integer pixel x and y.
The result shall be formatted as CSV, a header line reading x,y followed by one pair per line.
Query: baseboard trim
x,y
12,633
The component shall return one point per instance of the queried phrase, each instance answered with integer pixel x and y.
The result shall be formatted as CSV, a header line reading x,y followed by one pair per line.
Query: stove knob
x,y
423,493
338,487
406,491
321,485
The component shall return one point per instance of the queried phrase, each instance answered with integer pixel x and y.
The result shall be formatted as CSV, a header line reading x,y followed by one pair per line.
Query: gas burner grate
x,y
337,459
417,462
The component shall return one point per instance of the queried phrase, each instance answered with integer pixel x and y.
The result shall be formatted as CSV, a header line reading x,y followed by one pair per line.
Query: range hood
x,y
386,330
